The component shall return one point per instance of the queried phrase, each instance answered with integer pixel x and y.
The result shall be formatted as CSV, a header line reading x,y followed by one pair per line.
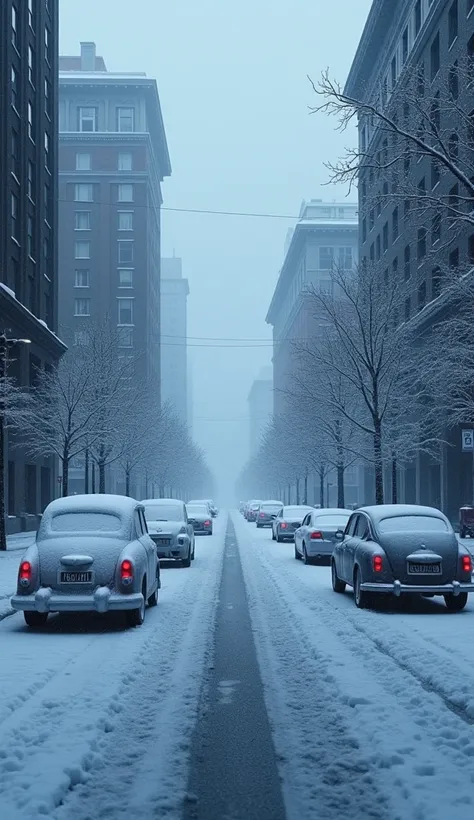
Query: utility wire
x,y
208,211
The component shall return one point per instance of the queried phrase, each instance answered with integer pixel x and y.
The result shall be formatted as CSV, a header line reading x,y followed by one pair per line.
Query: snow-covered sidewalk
x,y
96,720
372,712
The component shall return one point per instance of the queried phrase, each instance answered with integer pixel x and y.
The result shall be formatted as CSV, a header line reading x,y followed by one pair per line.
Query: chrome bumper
x,y
397,588
101,600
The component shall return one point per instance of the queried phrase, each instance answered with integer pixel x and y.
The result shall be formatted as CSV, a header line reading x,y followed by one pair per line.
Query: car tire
x,y
135,617
337,584
455,603
279,538
362,600
186,562
297,555
35,619
306,559
273,535
193,553
259,526
153,599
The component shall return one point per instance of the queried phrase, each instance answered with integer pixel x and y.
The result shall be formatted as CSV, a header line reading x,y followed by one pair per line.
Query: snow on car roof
x,y
121,505
379,511
167,501
333,511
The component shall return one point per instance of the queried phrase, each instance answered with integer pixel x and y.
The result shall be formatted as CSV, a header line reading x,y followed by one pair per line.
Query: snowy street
x,y
370,714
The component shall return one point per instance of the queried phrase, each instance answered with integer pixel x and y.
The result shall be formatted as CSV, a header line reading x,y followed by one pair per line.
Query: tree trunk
x,y
305,500
297,491
340,486
3,534
321,488
127,480
289,493
93,476
65,465
86,471
394,480
378,462
161,491
101,476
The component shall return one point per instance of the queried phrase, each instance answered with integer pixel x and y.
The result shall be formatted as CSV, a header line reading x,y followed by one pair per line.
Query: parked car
x,y
466,521
315,539
287,521
252,510
92,553
402,549
200,518
213,511
266,513
170,529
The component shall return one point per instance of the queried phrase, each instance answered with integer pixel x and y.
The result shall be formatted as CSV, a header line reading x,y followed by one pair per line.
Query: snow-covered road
x,y
96,719
372,712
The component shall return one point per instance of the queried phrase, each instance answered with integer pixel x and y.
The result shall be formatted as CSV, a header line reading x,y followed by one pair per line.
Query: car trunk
x,y
82,554
421,549
293,523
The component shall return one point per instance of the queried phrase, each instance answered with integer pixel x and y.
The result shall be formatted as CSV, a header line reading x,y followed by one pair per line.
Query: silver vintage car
x,y
92,553
318,534
170,529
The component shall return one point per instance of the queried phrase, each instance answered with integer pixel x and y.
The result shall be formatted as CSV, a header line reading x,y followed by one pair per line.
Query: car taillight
x,y
207,523
467,563
283,525
24,574
316,536
262,515
126,572
377,563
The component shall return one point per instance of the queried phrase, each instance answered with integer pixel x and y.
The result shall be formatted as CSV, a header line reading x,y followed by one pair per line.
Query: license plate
x,y
164,541
75,577
424,569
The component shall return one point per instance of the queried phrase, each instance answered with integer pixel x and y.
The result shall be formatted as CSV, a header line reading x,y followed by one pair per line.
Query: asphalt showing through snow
x,y
233,774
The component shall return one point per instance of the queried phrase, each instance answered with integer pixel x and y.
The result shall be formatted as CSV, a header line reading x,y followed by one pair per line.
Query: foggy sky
x,y
232,79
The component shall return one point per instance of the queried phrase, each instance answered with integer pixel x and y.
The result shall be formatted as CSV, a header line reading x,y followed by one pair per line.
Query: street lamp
x,y
5,344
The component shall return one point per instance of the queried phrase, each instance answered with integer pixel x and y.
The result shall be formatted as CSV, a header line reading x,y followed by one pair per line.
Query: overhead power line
x,y
206,211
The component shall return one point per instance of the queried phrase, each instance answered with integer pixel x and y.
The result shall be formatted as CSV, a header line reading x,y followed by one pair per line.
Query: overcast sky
x,y
232,79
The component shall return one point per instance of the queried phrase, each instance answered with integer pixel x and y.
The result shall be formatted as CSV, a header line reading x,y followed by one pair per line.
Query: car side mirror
x,y
339,536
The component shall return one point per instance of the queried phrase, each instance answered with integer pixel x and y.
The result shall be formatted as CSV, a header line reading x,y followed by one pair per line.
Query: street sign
x,y
467,441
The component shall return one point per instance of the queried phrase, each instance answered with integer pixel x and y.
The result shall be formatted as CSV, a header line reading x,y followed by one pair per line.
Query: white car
x,y
170,529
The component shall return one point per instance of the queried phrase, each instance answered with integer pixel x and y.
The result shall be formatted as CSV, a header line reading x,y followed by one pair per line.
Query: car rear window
x,y
410,523
86,522
197,510
161,512
271,507
331,521
296,510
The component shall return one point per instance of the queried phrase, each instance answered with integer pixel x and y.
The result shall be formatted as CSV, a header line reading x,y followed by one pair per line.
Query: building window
x,y
82,250
469,6
407,309
454,259
46,150
345,258
393,71
453,146
372,252
47,39
81,278
470,249
385,236
46,202
326,258
434,57
31,181
15,153
31,67
83,193
405,46
378,252
125,193
453,81
406,208
124,162
371,219
87,119
125,335
125,311
82,221
125,220
14,215
47,98
364,229
436,228
83,162
14,80
30,13
81,337
452,22
407,263
422,296
125,119
30,122
30,237
82,307
421,243
394,224
395,267
421,191
125,278
15,38
125,251
417,17
435,174
435,282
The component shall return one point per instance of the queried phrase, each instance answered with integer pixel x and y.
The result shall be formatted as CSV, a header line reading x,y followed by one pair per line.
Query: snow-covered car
x,y
170,529
200,518
267,512
252,510
315,539
402,549
287,521
92,553
208,502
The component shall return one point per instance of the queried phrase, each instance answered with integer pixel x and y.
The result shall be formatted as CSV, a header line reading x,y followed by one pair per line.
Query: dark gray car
x,y
200,518
267,512
170,529
287,521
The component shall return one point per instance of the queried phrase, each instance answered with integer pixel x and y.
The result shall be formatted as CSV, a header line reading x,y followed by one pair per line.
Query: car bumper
x,y
397,588
321,551
203,531
286,535
172,552
101,600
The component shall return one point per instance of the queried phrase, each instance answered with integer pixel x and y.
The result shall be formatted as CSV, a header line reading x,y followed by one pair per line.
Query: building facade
x,y
174,332
113,157
432,40
260,401
326,236
28,225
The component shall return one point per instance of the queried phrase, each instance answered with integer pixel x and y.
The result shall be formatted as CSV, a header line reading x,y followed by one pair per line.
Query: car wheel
x,y
273,535
337,584
135,617
279,538
455,603
258,526
297,555
35,619
306,559
362,599
194,550
186,562
153,599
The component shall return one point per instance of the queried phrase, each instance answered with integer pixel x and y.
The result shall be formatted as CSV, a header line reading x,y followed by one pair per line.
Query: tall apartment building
x,y
431,39
174,363
260,401
113,157
28,221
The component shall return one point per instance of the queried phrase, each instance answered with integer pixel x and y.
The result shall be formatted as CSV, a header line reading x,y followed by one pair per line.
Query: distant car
x,y
252,510
287,521
402,549
200,518
315,539
170,529
92,553
267,512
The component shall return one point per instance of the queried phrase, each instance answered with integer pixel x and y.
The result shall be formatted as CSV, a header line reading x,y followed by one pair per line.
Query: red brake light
x,y
126,570
262,515
207,523
25,571
377,563
467,563
283,525
316,536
